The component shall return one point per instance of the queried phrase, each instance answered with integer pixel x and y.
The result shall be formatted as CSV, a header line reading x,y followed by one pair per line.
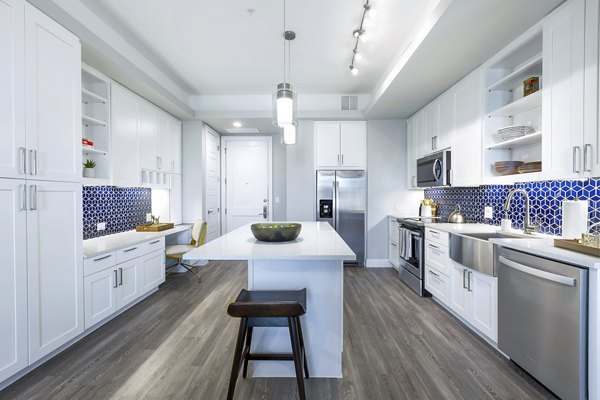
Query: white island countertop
x,y
317,241
104,244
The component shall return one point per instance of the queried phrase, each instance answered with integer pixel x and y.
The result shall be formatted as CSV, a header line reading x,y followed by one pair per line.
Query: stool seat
x,y
268,304
268,308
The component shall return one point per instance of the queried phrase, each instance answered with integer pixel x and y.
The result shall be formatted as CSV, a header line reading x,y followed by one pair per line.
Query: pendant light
x,y
284,99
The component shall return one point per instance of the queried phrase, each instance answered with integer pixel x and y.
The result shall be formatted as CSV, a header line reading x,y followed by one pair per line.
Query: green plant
x,y
89,163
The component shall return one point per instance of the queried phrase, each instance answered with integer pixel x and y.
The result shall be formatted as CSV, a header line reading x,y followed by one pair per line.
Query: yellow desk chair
x,y
176,252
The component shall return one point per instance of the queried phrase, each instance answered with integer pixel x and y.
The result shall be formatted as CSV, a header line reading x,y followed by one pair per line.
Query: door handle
x,y
33,162
469,281
338,158
22,160
102,258
342,159
585,157
116,282
265,212
436,176
564,280
33,199
432,141
120,276
210,212
23,194
575,163
128,250
464,278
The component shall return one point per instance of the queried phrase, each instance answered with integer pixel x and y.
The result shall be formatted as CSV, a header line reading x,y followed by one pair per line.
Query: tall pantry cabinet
x,y
41,295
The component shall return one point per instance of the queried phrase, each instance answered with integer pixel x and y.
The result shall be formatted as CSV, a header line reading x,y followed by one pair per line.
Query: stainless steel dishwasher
x,y
542,320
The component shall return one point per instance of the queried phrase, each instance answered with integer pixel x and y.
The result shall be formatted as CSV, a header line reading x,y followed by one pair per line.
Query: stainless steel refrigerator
x,y
342,201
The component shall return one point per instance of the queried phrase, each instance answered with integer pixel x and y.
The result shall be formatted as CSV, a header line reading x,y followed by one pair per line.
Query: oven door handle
x,y
564,280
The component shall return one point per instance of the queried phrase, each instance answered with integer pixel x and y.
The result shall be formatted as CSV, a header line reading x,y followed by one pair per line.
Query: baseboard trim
x,y
379,263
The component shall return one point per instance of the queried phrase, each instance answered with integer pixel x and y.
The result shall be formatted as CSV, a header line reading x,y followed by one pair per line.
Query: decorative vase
x,y
89,173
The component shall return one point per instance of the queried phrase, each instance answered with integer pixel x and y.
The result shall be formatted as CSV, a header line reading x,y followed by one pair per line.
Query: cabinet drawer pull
x,y
464,278
155,241
393,244
120,276
434,274
33,162
434,232
576,169
23,161
33,200
23,197
433,246
116,282
469,281
103,257
131,249
586,157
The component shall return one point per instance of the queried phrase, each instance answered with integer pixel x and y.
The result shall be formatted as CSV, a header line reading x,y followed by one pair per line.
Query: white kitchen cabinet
x,y
148,136
484,314
52,99
437,284
100,296
460,297
54,265
591,143
420,136
411,154
163,138
393,242
152,271
125,125
563,92
466,164
12,90
430,128
443,139
175,200
175,145
437,257
340,145
128,285
13,285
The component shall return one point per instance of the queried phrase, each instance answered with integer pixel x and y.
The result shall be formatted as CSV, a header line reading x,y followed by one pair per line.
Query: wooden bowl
x,y
269,232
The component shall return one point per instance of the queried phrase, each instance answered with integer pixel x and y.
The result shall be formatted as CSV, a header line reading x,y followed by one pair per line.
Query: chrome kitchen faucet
x,y
528,227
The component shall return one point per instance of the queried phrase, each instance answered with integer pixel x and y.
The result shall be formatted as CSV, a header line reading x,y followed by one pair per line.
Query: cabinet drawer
x,y
394,254
437,284
153,245
437,256
437,236
393,228
98,263
130,252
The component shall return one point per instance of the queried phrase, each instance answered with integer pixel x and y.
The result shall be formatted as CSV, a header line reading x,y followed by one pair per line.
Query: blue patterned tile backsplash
x,y
122,209
546,202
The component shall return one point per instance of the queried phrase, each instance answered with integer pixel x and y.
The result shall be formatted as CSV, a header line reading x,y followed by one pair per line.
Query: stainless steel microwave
x,y
434,170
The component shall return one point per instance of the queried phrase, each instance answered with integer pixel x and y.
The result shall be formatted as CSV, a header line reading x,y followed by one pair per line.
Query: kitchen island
x,y
315,261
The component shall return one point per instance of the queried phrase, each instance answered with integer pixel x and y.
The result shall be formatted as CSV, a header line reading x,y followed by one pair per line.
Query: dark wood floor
x,y
177,344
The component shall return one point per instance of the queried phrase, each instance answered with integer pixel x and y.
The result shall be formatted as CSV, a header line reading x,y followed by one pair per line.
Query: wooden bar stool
x,y
268,309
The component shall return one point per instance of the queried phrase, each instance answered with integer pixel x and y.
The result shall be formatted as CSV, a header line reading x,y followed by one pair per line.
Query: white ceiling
x,y
264,125
218,47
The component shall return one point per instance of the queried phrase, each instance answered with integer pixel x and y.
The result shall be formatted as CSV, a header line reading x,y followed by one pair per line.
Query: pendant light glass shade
x,y
284,105
289,134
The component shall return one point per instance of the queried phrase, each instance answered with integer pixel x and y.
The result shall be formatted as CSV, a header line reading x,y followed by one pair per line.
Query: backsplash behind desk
x,y
122,209
546,202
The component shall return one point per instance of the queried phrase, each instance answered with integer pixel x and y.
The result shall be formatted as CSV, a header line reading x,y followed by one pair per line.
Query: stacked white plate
x,y
515,131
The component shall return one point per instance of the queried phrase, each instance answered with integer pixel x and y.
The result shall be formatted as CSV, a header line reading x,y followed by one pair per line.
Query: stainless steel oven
x,y
412,251
434,170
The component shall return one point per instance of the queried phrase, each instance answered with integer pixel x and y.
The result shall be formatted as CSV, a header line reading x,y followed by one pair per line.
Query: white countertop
x,y
545,248
104,244
317,241
462,228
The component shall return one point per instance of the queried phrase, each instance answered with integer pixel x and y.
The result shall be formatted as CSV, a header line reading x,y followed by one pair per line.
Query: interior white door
x,y
213,185
52,98
353,144
248,179
54,265
125,125
128,286
13,285
12,92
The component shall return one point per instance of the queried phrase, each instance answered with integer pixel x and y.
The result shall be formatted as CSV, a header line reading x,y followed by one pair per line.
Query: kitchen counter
x,y
317,241
462,228
315,261
104,244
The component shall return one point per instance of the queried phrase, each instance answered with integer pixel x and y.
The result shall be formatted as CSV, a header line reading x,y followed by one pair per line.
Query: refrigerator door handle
x,y
336,211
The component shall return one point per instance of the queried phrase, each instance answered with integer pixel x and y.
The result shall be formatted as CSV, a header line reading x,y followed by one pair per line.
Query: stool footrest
x,y
270,357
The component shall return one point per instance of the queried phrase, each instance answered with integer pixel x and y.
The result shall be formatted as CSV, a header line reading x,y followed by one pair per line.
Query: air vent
x,y
242,130
349,103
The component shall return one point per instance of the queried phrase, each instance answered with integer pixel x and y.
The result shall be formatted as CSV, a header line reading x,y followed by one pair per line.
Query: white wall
x,y
387,189
192,175
301,175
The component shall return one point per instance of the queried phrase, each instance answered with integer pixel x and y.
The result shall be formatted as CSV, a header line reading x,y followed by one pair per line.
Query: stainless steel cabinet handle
x,y
131,249
22,160
120,276
103,257
433,246
116,284
432,141
469,281
33,162
434,274
33,199
414,178
23,194
172,166
464,278
435,142
394,244
564,280
575,163
586,158
155,241
434,232
342,159
338,159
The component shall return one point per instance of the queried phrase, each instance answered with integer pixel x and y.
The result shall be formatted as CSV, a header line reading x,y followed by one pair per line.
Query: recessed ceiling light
x,y
237,124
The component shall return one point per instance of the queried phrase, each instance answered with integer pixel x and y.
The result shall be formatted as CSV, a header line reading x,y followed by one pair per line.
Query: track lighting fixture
x,y
359,35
